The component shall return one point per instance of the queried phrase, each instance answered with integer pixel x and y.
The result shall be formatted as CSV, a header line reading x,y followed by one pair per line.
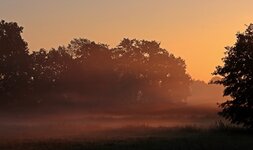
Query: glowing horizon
x,y
196,30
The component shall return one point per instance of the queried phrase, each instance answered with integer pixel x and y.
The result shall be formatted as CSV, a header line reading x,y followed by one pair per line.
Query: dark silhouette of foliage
x,y
90,73
156,74
48,69
14,63
237,78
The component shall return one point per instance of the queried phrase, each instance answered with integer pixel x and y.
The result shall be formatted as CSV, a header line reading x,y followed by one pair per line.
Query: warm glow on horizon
x,y
196,30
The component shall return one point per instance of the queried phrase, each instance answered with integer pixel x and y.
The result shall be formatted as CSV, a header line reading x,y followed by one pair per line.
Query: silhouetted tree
x,y
91,74
14,62
156,75
48,71
237,78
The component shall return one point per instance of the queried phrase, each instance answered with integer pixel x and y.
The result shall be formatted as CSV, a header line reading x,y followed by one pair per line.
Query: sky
x,y
196,30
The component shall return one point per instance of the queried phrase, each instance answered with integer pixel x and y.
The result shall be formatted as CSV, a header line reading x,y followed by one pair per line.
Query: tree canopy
x,y
14,62
237,78
134,72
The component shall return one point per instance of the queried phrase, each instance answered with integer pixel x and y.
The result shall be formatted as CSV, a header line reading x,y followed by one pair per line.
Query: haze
x,y
196,30
154,73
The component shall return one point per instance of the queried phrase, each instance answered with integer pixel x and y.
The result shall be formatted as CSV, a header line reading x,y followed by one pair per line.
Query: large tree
x,y
237,78
92,73
14,62
156,75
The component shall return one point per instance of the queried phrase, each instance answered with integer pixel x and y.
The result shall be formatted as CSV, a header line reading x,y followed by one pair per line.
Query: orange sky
x,y
196,30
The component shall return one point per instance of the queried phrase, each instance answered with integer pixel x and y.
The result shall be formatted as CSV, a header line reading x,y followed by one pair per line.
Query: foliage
x,y
14,63
237,78
159,74
134,72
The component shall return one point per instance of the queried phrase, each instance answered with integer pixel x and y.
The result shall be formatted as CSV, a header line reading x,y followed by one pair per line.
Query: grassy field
x,y
145,138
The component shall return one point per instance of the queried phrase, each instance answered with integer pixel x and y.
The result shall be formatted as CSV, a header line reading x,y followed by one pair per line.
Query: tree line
x,y
134,72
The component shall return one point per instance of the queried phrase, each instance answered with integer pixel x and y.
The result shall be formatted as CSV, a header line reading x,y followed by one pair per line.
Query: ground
x,y
144,138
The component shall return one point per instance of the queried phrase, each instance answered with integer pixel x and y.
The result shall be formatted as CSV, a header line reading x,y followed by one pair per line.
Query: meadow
x,y
219,137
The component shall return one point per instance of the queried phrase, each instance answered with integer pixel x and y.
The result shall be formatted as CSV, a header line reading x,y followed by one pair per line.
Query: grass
x,y
220,137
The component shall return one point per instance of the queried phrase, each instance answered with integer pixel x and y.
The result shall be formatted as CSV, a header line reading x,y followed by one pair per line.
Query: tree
x,y
91,74
14,62
237,78
157,75
48,67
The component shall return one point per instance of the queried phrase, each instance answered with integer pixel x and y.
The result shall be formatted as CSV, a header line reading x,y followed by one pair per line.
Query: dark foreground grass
x,y
188,138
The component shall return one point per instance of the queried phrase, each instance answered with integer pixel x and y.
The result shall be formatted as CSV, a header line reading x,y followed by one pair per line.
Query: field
x,y
183,130
144,138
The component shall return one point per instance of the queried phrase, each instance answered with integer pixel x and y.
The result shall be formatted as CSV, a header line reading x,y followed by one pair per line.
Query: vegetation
x,y
134,72
237,78
14,63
